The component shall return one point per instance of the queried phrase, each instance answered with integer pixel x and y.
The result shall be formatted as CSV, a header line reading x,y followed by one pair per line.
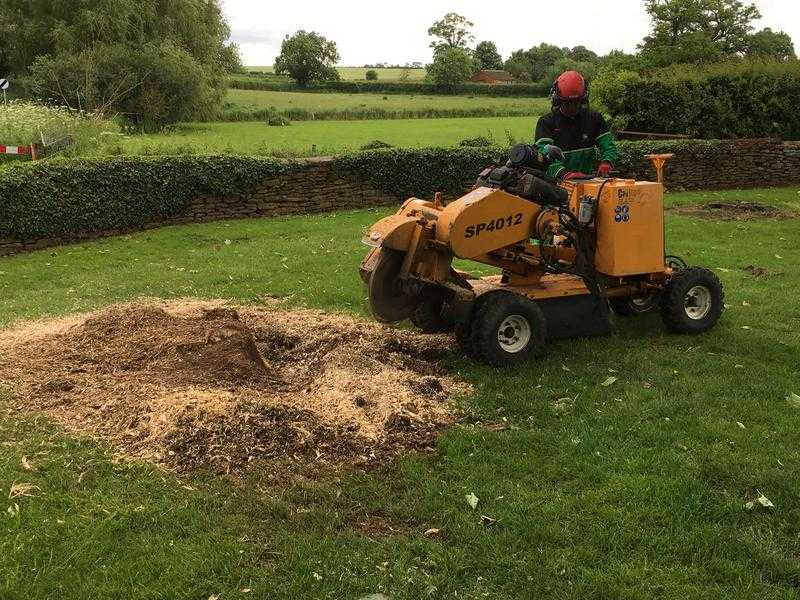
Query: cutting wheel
x,y
388,302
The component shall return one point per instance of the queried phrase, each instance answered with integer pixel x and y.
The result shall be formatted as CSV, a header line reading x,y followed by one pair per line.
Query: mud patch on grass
x,y
204,384
733,211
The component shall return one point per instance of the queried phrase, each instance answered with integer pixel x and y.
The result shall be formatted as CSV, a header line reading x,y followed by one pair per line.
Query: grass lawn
x,y
252,100
634,490
360,73
312,138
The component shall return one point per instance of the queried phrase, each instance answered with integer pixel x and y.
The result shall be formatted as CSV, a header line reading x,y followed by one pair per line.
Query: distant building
x,y
493,78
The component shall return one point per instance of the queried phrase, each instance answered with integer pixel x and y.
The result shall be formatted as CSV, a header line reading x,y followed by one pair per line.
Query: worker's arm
x,y
604,141
544,137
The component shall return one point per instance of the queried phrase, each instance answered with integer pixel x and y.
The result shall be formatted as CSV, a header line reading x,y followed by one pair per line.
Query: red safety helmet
x,y
570,87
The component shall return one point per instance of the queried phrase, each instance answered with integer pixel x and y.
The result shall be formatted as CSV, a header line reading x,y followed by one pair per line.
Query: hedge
x,y
244,82
736,100
407,172
374,113
68,198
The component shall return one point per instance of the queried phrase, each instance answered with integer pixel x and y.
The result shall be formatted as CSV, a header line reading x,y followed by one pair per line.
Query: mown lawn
x,y
635,490
242,101
312,138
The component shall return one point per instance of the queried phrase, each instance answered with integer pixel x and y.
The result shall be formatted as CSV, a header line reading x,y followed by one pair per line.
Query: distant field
x,y
324,137
245,104
360,73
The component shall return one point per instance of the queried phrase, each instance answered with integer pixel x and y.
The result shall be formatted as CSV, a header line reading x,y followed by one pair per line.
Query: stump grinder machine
x,y
568,254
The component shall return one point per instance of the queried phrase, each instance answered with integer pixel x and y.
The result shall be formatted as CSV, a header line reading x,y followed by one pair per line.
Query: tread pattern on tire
x,y
492,311
673,311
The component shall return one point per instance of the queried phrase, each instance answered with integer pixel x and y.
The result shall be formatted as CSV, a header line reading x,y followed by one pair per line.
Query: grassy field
x,y
313,138
243,104
634,490
360,73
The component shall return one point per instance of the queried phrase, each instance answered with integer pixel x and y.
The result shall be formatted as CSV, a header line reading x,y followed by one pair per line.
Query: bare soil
x,y
734,211
204,384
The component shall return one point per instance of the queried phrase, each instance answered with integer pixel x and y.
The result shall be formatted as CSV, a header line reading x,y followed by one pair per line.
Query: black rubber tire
x,y
491,316
465,334
428,317
674,307
626,307
387,302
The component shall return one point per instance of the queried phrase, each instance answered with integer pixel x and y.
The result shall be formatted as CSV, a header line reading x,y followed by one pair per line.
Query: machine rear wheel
x,y
630,307
388,302
508,329
693,301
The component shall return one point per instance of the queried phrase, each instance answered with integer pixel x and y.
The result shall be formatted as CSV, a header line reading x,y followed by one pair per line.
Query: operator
x,y
582,133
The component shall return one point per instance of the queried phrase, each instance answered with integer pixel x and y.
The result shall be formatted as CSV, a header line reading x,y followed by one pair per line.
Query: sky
x,y
368,32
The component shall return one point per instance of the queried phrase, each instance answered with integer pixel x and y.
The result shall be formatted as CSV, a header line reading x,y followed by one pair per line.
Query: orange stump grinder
x,y
568,253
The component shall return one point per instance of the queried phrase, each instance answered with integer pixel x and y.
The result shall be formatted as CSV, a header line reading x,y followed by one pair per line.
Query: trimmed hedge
x,y
68,198
244,82
406,172
375,113
736,100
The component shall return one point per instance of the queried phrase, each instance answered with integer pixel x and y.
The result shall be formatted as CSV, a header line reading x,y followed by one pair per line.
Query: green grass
x,y
322,137
360,73
251,104
630,491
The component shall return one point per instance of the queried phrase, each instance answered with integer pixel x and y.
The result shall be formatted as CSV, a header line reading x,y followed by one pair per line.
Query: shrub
x,y
276,119
730,100
372,75
477,141
69,198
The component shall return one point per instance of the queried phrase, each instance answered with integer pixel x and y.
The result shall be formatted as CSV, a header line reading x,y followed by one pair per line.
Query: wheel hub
x,y
514,333
697,302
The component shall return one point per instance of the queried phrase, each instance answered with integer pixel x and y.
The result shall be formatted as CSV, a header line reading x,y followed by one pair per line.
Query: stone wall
x,y
317,186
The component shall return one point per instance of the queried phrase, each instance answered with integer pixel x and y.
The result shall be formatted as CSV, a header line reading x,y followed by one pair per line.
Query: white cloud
x,y
369,32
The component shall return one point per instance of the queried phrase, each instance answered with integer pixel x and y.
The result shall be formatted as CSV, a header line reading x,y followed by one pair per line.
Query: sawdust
x,y
734,211
203,384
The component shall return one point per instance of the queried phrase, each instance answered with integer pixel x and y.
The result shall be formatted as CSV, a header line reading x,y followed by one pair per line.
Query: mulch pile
x,y
203,384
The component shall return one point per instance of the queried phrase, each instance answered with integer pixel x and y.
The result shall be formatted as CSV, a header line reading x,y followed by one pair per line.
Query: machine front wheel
x,y
508,329
693,301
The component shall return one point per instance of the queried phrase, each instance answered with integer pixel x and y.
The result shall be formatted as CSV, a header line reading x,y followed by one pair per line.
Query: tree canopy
x,y
121,55
693,31
451,66
451,31
307,57
487,56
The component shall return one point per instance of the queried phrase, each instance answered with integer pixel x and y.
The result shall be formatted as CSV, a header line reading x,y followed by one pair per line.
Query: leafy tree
x,y
230,60
452,31
534,64
451,66
582,54
769,44
133,57
372,75
308,57
487,56
697,30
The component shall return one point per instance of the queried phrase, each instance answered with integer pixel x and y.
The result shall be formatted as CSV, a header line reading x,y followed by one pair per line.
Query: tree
x,y
308,57
451,66
63,51
371,75
452,31
487,56
534,64
697,30
775,45
582,54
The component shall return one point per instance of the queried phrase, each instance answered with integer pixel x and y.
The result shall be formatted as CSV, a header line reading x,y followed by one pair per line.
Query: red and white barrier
x,y
31,150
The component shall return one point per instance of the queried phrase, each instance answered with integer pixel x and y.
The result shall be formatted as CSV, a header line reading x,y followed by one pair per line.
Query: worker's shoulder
x,y
593,116
547,121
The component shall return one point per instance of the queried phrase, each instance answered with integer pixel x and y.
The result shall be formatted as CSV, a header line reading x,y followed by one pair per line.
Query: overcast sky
x,y
396,32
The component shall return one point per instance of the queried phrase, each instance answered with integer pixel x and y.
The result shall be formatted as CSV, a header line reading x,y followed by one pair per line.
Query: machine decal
x,y
493,225
623,213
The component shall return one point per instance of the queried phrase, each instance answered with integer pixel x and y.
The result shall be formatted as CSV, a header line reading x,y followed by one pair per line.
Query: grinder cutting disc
x,y
388,302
